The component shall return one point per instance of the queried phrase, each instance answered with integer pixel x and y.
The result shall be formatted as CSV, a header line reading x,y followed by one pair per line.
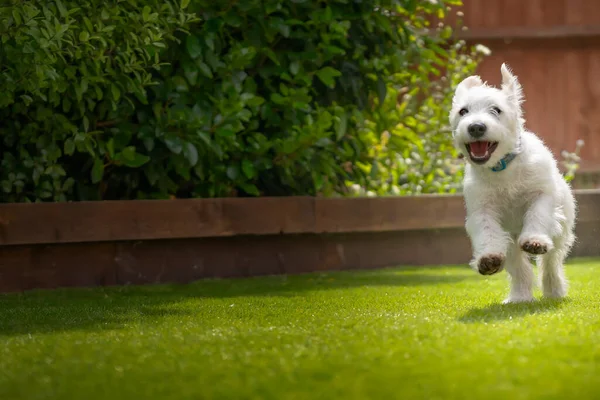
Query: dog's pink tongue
x,y
478,149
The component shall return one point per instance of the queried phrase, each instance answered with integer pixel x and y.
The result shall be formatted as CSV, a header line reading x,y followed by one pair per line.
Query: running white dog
x,y
516,198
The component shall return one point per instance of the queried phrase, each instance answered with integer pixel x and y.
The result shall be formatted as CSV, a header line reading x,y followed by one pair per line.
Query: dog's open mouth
x,y
481,151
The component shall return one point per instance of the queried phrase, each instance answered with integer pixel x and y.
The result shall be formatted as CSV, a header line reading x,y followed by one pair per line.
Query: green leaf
x,y
149,144
130,158
248,169
191,153
295,67
69,147
180,84
193,46
233,172
84,36
327,75
190,71
66,104
68,184
374,169
86,123
277,98
136,161
271,54
285,30
249,188
97,170
199,171
439,50
342,126
89,146
174,144
146,13
205,137
110,147
16,16
210,42
184,4
225,131
6,186
205,69
255,101
116,92
233,19
128,153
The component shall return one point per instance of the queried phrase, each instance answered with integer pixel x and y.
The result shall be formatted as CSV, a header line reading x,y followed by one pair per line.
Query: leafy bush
x,y
290,84
72,75
410,136
110,100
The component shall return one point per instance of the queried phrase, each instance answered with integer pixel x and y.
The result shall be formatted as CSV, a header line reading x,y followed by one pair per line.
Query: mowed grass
x,y
418,333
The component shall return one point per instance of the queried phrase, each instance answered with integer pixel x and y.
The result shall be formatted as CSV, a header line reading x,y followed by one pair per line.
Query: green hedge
x,y
149,99
410,137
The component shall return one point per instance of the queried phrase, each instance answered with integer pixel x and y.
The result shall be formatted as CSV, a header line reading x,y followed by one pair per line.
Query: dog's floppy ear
x,y
468,83
511,85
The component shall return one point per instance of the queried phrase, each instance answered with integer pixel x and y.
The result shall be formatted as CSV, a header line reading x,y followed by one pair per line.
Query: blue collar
x,y
503,163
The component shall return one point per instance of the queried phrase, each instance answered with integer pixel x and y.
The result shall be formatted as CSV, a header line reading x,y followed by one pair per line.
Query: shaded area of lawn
x,y
110,308
395,333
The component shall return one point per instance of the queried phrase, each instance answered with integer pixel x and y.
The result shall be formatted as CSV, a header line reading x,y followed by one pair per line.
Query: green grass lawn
x,y
427,333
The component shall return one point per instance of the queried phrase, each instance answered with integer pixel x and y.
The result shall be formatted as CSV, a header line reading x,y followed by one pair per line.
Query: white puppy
x,y
517,201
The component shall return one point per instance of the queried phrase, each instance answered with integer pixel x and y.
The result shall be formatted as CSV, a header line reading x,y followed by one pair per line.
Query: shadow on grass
x,y
99,309
500,312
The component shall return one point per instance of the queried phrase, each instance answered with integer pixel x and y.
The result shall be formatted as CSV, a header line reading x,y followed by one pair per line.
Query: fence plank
x,y
152,219
114,221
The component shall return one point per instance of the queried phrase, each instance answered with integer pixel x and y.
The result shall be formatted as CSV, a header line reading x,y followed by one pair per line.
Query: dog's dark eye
x,y
463,111
496,110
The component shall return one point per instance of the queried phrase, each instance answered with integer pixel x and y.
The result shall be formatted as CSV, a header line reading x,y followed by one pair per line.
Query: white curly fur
x,y
527,207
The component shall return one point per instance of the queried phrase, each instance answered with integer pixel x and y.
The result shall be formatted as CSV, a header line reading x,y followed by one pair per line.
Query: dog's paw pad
x,y
534,247
490,264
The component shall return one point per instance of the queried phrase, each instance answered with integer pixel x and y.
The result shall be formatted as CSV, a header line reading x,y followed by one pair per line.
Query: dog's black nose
x,y
477,129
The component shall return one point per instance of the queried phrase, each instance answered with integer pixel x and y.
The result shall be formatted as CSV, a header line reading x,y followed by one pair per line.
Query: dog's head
x,y
486,121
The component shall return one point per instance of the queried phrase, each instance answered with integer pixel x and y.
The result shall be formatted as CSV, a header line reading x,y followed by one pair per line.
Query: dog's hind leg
x,y
552,271
521,275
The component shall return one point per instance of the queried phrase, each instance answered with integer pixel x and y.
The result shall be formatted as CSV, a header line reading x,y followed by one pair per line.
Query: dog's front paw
x,y
536,245
490,264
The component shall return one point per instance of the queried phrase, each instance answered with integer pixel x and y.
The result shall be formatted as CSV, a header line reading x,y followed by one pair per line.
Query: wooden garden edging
x,y
135,242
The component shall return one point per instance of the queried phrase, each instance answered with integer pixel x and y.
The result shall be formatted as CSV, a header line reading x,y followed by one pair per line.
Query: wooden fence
x,y
138,242
554,48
